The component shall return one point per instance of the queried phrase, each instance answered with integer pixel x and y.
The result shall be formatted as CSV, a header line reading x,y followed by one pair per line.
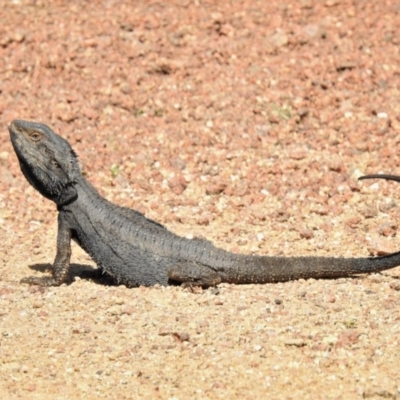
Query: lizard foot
x,y
43,281
192,274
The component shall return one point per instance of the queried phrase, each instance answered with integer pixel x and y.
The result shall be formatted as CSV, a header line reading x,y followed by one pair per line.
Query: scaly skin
x,y
138,251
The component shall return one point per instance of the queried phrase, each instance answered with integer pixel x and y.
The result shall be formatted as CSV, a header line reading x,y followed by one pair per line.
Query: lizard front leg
x,y
62,260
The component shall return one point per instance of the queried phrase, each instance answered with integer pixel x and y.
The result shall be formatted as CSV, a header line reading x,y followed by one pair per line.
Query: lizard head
x,y
47,160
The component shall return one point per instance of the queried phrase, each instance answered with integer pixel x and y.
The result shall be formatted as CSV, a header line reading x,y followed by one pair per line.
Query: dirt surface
x,y
245,122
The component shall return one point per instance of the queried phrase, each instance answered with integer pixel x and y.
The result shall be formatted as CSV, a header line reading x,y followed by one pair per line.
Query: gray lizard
x,y
135,250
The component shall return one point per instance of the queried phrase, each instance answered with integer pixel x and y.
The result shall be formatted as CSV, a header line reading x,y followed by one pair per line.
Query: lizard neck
x,y
86,200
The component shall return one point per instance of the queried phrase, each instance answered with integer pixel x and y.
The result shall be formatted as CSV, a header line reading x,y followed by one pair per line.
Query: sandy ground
x,y
245,122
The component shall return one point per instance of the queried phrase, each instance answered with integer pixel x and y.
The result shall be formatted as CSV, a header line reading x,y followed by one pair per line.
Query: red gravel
x,y
246,122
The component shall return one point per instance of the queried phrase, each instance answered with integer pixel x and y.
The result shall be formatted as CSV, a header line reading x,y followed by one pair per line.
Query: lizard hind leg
x,y
191,273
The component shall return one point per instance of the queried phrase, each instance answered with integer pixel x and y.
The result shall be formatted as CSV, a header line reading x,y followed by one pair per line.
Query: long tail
x,y
263,269
381,176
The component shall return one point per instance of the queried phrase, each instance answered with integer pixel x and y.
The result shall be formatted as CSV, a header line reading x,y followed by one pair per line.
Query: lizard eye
x,y
35,136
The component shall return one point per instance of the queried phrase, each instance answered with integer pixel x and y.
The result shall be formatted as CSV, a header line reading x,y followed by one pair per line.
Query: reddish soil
x,y
245,122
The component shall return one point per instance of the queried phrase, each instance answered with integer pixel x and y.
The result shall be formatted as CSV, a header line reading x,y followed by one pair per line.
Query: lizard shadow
x,y
85,272
82,271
